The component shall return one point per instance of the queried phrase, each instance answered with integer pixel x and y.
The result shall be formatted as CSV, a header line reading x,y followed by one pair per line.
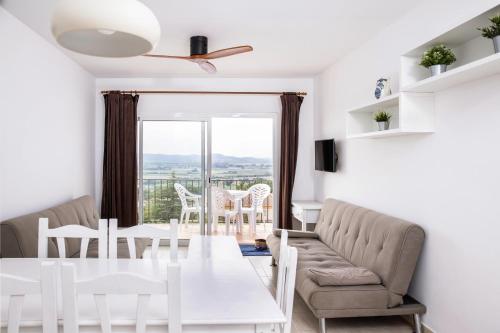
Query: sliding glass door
x,y
177,158
172,174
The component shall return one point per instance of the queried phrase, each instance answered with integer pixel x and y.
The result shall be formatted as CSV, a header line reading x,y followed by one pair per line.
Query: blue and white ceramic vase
x,y
383,88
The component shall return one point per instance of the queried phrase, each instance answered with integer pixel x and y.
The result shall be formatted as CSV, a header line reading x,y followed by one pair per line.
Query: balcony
x,y
161,202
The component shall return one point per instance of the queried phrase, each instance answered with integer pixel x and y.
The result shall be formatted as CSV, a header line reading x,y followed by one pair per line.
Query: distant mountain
x,y
195,159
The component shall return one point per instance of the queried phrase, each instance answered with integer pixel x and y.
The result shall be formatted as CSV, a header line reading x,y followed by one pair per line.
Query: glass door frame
x,y
206,166
206,142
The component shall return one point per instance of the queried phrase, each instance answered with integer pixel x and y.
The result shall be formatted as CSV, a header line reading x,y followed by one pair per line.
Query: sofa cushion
x,y
347,276
340,297
296,234
386,245
19,236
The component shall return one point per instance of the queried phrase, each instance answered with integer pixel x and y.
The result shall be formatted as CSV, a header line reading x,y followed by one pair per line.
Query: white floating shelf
x,y
385,134
412,113
472,71
383,103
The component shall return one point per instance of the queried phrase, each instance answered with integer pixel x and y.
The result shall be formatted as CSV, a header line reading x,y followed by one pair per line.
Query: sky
x,y
240,137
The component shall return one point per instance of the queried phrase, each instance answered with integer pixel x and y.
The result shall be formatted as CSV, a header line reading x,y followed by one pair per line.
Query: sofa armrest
x,y
296,234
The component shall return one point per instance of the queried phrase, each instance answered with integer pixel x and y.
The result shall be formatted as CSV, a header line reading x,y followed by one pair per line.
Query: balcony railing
x,y
161,202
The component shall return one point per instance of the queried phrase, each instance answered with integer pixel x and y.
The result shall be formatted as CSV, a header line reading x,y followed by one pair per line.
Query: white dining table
x,y
218,295
237,196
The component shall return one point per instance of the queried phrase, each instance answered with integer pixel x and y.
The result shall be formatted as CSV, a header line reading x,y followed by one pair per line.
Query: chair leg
x,y
322,325
227,220
188,217
215,223
273,262
253,221
183,216
418,324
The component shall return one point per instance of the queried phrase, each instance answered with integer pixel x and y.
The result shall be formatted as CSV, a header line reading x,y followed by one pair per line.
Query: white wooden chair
x,y
285,291
72,231
281,268
16,288
258,193
143,231
219,198
120,284
184,196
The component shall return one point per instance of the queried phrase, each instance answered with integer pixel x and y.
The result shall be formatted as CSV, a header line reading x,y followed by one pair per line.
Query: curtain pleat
x,y
119,181
288,162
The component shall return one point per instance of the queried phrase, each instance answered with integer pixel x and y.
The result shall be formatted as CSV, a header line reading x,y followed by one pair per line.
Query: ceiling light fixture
x,y
105,28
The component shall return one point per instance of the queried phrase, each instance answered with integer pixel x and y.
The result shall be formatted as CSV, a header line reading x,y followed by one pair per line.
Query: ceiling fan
x,y
200,55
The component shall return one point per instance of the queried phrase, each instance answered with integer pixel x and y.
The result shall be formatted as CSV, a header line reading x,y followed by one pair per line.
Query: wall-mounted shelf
x,y
383,103
472,71
386,134
413,108
475,58
411,114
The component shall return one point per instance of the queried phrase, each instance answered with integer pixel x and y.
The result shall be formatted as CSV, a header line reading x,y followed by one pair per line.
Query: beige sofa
x,y
347,237
19,236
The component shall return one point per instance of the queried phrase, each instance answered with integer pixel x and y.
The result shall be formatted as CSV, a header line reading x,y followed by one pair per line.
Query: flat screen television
x,y
325,155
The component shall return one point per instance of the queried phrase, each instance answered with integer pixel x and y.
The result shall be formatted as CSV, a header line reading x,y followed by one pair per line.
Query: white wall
x,y
46,123
448,182
200,105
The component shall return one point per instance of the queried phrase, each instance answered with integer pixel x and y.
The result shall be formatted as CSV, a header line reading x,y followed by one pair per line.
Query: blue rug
x,y
248,250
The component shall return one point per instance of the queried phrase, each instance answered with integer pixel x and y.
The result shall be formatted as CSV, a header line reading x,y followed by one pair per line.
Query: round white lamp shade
x,y
105,28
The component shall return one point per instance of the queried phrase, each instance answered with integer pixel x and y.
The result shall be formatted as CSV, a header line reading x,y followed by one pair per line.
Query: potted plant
x,y
438,58
383,119
493,32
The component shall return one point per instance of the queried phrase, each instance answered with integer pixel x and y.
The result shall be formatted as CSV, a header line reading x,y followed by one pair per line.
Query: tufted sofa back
x,y
388,246
19,236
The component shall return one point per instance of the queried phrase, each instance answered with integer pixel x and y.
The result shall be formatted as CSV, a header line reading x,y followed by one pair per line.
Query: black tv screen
x,y
325,155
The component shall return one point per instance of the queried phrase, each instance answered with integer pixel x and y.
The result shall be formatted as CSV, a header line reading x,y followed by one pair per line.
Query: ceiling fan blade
x,y
226,52
165,56
207,67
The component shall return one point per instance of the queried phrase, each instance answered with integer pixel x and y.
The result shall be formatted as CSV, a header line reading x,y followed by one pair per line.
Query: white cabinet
x,y
307,212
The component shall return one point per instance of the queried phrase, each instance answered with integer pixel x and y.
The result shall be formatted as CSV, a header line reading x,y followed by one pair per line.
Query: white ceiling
x,y
290,37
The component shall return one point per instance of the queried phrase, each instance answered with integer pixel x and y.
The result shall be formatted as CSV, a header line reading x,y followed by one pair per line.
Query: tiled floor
x,y
303,320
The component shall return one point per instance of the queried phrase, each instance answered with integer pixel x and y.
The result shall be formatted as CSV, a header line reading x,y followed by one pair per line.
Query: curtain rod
x,y
203,92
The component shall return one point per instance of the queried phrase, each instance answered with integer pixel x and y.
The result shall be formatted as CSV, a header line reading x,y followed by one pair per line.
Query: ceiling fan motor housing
x,y
199,45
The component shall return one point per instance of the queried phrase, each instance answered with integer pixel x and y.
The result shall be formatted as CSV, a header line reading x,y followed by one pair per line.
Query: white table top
x,y
238,194
223,292
307,204
214,247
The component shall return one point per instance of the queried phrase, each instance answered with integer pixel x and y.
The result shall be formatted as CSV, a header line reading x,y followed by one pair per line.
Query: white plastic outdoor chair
x,y
258,193
184,196
72,231
16,287
117,284
143,231
285,291
219,199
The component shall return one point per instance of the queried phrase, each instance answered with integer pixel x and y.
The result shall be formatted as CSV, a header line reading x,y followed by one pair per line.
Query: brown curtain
x,y
290,103
119,176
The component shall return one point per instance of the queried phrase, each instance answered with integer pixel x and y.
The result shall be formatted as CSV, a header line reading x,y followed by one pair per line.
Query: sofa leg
x,y
322,325
418,324
273,262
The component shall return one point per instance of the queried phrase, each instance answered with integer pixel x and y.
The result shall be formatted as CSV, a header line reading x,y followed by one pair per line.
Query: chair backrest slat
x,y
289,293
143,231
72,231
120,284
259,193
282,267
287,270
16,288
